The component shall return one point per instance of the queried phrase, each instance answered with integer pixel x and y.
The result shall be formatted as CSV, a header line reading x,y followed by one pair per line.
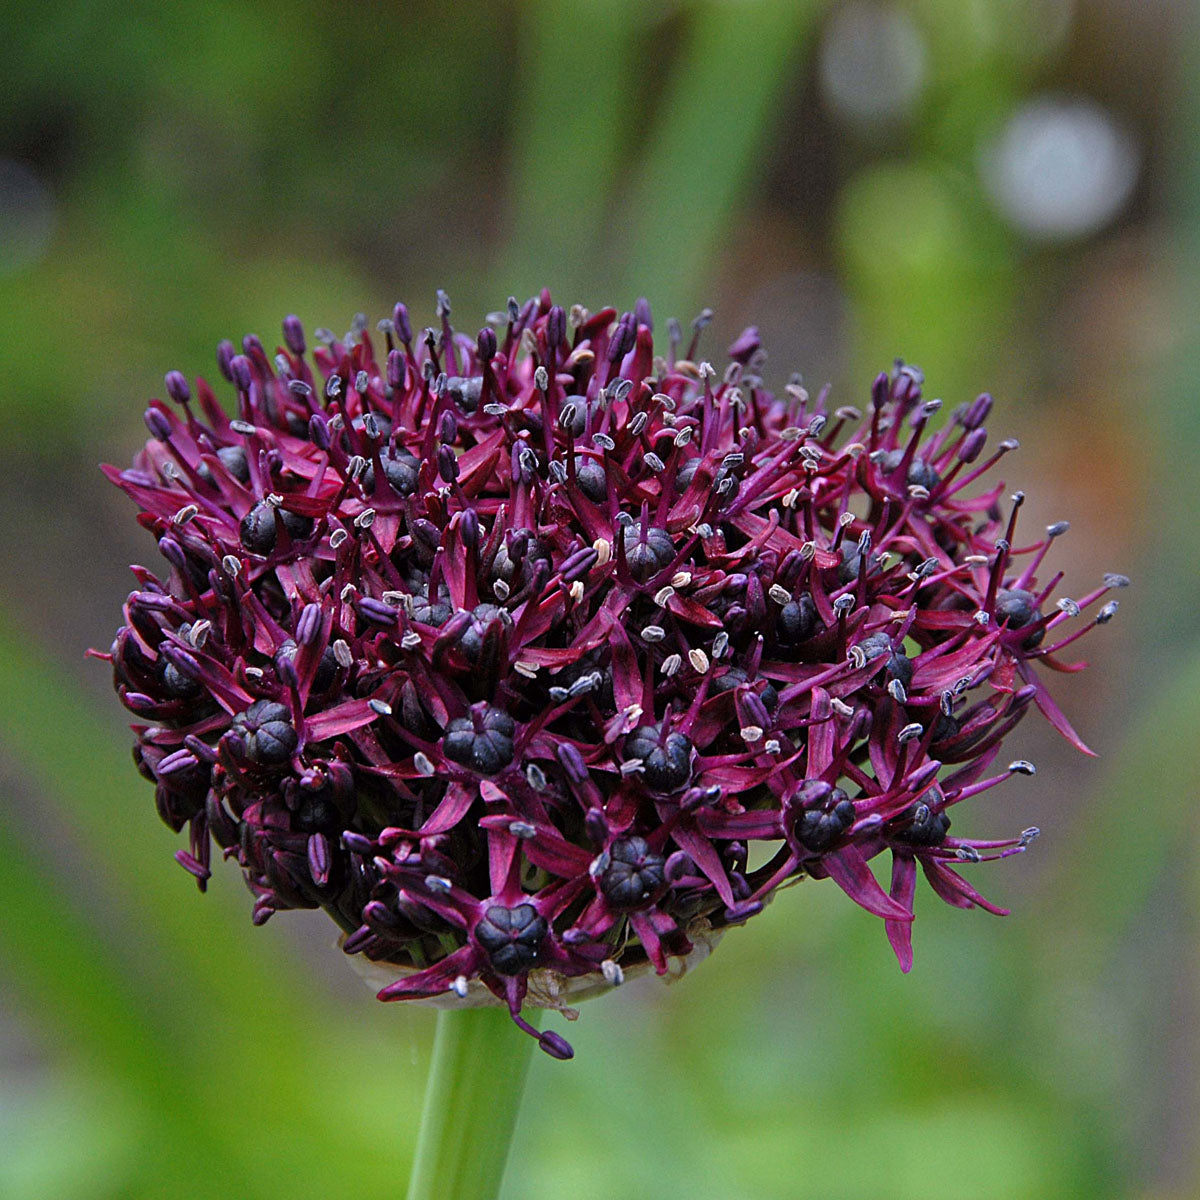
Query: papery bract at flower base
x,y
504,650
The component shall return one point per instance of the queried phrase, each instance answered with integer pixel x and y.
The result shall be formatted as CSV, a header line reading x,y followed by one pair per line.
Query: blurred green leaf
x,y
574,118
930,275
177,995
705,146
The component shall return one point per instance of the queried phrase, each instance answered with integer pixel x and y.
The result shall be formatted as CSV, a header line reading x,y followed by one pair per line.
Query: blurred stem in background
x,y
724,93
611,202
567,145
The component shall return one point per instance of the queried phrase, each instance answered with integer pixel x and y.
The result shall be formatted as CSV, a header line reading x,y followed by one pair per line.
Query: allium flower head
x,y
504,651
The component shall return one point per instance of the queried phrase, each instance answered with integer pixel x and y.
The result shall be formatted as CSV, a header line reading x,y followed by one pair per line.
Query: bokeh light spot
x,y
1061,168
27,216
872,64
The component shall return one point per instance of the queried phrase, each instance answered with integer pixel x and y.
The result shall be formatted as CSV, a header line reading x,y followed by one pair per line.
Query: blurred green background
x,y
1006,192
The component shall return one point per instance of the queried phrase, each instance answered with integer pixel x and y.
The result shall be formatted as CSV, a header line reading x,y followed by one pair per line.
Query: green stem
x,y
471,1104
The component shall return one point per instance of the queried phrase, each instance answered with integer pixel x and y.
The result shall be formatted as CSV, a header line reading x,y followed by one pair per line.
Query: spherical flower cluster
x,y
506,651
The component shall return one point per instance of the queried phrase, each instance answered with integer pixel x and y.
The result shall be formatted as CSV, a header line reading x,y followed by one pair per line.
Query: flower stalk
x,y
476,1081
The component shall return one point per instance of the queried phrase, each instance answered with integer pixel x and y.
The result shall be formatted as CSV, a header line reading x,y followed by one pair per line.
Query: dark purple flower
x,y
502,650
